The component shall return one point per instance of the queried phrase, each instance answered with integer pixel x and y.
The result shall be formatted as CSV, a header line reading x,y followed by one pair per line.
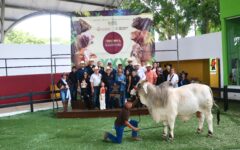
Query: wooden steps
x,y
99,113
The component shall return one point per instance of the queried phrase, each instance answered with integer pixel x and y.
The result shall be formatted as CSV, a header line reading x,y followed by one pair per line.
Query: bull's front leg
x,y
165,130
171,122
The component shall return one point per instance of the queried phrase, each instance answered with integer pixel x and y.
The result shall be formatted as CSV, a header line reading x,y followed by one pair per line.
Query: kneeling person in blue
x,y
120,123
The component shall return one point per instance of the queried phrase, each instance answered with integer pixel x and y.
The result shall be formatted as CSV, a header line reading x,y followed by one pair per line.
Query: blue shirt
x,y
121,80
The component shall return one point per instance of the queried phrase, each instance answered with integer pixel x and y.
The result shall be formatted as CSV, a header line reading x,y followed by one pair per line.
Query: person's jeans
x,y
119,132
63,94
73,91
96,96
108,105
122,98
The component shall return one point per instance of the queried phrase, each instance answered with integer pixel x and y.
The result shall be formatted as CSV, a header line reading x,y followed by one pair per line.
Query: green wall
x,y
228,9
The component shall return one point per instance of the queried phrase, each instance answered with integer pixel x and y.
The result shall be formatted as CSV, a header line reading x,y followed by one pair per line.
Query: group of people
x,y
96,83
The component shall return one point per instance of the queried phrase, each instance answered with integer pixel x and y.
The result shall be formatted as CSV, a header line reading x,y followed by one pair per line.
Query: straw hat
x,y
130,59
109,62
136,64
148,65
91,59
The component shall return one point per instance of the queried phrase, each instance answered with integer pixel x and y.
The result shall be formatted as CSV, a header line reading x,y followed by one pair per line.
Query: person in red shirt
x,y
151,75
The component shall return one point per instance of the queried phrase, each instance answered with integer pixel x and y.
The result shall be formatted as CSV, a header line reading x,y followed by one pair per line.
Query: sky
x,y
39,26
61,27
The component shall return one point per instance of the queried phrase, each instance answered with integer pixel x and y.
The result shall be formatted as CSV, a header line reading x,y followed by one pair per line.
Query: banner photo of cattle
x,y
112,36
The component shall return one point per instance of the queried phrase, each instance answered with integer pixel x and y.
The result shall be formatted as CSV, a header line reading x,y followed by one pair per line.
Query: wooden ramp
x,y
99,113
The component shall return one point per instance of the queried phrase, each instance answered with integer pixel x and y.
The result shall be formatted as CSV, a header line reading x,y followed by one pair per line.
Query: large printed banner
x,y
112,36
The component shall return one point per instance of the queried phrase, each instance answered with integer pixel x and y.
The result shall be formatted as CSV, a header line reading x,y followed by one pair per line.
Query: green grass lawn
x,y
41,130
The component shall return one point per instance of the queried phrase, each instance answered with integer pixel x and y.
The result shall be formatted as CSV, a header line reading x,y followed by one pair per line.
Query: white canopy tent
x,y
14,11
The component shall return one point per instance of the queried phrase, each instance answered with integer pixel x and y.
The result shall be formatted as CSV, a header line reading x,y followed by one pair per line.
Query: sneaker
x,y
105,136
137,138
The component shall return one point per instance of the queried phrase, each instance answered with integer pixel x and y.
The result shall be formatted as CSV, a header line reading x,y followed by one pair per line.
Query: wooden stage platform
x,y
77,113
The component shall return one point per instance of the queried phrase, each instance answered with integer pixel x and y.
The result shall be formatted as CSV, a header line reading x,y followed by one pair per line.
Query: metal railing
x,y
30,100
54,59
224,91
30,95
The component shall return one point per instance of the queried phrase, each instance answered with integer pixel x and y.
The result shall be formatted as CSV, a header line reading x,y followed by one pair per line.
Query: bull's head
x,y
142,86
142,91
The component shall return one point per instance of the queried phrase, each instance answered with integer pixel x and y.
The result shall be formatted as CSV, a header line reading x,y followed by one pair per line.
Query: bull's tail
x,y
218,112
217,107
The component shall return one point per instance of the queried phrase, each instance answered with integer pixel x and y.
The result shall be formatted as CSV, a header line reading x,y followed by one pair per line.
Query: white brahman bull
x,y
165,103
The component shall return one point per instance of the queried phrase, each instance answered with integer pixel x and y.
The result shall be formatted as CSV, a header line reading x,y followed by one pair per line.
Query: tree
x,y
165,16
20,37
135,5
204,14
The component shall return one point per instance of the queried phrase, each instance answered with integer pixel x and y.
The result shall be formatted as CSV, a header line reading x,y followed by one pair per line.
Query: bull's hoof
x,y
210,134
165,137
199,130
171,138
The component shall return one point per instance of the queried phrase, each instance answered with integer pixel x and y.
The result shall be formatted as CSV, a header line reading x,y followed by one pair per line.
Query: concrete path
x,y
10,111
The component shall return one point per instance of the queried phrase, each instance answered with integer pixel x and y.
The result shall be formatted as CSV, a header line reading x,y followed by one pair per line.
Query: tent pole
x,y
176,36
177,46
50,43
2,20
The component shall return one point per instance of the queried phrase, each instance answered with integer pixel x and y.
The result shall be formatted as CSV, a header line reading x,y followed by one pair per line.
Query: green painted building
x,y
230,18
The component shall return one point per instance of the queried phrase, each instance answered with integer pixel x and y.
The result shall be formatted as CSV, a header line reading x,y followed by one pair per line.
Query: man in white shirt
x,y
140,71
95,80
173,78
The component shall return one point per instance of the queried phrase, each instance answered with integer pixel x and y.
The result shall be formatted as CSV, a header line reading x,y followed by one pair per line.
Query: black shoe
x,y
105,136
137,138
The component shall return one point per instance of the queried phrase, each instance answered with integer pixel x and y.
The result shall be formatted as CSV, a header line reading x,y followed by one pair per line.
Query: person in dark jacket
x,y
113,71
166,72
184,80
86,90
155,66
135,79
128,83
160,77
108,79
90,67
73,83
101,68
129,67
64,91
81,70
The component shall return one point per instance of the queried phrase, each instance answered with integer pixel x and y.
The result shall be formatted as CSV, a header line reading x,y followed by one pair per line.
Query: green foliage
x,y
135,5
20,37
204,13
186,13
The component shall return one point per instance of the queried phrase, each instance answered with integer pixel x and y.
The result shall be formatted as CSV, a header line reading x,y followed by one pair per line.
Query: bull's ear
x,y
145,88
